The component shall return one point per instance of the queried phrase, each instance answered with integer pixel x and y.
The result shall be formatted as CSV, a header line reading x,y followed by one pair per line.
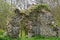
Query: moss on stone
x,y
36,8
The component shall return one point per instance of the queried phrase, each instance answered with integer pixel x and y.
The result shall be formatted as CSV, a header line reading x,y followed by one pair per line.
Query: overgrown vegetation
x,y
36,8
56,14
5,10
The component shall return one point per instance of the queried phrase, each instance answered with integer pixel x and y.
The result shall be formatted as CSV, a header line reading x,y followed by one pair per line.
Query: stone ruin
x,y
13,26
42,22
39,21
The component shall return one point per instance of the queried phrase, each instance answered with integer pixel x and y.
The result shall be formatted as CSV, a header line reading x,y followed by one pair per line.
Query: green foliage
x,y
1,32
56,14
5,11
36,8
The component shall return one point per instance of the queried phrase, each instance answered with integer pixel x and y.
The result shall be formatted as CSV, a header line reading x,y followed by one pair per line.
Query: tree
x,y
5,11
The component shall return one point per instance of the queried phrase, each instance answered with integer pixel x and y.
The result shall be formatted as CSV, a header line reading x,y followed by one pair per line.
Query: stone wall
x,y
13,25
36,20
41,22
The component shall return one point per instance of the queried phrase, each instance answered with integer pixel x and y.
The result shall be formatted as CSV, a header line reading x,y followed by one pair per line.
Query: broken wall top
x,y
36,8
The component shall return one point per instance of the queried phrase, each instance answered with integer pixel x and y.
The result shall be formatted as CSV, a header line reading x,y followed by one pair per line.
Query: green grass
x,y
2,37
33,38
41,38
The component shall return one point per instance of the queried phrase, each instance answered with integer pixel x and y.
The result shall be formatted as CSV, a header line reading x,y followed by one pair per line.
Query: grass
x,y
33,38
2,37
41,38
